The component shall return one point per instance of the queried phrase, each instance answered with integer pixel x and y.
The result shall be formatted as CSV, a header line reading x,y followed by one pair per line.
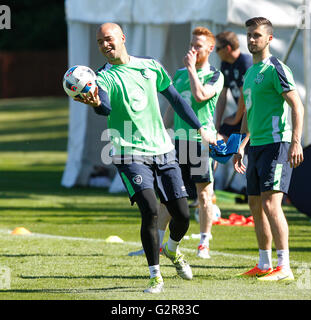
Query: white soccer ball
x,y
216,213
79,79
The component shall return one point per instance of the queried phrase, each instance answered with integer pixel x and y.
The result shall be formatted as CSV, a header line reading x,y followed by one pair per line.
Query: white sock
x,y
154,271
172,245
265,259
205,239
283,258
161,236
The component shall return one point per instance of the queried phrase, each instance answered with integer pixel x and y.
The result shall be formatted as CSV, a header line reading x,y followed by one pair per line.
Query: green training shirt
x,y
267,110
135,122
203,110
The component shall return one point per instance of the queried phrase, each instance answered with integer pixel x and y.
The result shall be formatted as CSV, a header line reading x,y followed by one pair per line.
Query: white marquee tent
x,y
162,29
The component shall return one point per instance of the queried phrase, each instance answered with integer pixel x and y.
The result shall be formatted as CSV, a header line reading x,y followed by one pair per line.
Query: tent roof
x,y
166,11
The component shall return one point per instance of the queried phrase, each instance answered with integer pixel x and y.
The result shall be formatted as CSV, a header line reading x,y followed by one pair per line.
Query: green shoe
x,y
182,267
155,285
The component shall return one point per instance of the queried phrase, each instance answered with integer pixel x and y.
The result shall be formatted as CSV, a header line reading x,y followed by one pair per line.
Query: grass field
x,y
67,258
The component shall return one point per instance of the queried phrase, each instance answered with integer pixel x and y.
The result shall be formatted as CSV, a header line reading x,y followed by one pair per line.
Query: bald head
x,y
111,42
108,28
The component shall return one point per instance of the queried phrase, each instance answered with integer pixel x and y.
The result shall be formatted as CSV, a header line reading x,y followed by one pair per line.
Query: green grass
x,y
33,139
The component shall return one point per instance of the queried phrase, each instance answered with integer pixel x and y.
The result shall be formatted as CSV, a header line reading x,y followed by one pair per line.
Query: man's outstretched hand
x,y
90,98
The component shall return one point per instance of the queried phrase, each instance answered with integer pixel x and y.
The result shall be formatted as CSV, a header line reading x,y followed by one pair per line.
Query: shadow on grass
x,y
67,290
41,128
84,277
21,255
54,144
104,211
33,104
106,215
45,182
193,266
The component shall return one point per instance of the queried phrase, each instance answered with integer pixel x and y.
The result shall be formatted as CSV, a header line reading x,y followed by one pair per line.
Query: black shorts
x,y
268,168
227,129
161,173
195,164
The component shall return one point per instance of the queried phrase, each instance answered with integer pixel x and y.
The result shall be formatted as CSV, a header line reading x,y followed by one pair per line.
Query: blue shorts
x,y
161,173
195,164
268,168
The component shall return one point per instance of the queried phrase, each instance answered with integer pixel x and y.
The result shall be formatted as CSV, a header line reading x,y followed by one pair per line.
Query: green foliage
x,y
35,25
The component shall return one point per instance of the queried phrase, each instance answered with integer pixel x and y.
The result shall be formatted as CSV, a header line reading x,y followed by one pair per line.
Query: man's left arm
x,y
295,153
187,114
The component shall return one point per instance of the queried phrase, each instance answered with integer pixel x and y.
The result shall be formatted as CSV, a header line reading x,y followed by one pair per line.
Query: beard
x,y
256,49
201,58
253,49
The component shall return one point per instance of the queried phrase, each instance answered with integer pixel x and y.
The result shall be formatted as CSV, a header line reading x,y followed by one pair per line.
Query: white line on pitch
x,y
138,244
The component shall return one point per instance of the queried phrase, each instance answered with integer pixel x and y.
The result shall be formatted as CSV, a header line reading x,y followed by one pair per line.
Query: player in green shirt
x,y
199,84
143,152
274,149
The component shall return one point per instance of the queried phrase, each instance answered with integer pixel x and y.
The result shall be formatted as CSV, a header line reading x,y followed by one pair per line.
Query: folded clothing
x,y
223,151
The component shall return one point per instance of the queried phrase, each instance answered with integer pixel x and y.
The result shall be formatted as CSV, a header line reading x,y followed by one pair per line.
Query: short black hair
x,y
260,21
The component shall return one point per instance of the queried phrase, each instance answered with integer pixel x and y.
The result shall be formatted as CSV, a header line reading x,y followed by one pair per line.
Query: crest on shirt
x,y
259,78
138,179
146,73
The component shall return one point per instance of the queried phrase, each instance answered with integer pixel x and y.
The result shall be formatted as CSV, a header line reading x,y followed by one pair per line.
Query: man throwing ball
x,y
145,158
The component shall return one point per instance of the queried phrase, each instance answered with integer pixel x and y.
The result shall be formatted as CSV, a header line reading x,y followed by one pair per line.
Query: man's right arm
x,y
238,157
99,100
220,107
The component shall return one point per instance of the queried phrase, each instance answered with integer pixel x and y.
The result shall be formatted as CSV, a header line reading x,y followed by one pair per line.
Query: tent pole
x,y
291,45
307,67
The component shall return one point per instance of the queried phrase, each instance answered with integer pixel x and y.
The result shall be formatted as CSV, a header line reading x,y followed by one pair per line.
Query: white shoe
x,y
155,285
140,252
278,274
203,252
182,267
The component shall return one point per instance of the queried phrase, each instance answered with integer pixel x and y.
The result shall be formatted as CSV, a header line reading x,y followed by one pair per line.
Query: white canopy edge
x,y
182,11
